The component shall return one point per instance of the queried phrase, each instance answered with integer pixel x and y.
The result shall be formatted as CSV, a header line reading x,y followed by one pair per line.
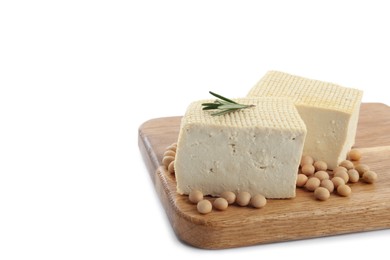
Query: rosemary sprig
x,y
224,105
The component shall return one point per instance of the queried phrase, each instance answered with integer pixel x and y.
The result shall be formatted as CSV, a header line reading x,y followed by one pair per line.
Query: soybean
x,y
306,159
328,184
204,206
342,175
312,183
229,196
308,169
220,204
243,198
195,196
322,175
167,160
337,181
322,193
354,155
353,175
347,164
258,201
320,166
370,176
301,180
344,190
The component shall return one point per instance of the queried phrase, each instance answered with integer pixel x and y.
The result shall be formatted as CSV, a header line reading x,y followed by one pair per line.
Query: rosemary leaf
x,y
223,105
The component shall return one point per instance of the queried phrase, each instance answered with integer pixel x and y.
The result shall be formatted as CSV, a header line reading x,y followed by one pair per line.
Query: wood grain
x,y
302,217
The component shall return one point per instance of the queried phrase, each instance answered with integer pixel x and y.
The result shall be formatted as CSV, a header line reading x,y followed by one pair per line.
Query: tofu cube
x,y
329,111
257,150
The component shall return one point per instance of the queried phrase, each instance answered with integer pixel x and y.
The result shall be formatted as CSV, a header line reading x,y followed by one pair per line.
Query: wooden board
x,y
368,208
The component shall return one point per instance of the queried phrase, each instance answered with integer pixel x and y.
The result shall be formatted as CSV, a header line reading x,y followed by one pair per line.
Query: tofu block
x,y
329,111
257,150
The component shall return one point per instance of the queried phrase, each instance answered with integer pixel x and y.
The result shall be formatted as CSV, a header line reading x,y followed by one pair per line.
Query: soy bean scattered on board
x,y
370,176
353,175
195,196
354,155
258,201
308,169
229,196
322,175
347,164
344,190
301,180
220,204
343,175
306,159
167,160
204,206
312,183
320,166
322,193
337,181
243,198
328,184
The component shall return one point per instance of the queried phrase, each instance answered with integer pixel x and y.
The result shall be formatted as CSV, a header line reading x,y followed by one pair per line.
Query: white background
x,y
77,78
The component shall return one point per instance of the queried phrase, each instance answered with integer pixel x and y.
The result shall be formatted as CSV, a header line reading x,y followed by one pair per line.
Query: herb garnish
x,y
224,105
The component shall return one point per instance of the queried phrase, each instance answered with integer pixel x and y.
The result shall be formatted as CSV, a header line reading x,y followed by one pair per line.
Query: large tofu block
x,y
257,150
329,111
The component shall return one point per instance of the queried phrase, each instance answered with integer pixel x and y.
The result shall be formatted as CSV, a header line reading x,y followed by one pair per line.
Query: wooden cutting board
x,y
368,208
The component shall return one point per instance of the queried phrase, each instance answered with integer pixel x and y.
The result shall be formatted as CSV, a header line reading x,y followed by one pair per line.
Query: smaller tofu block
x,y
329,111
257,150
